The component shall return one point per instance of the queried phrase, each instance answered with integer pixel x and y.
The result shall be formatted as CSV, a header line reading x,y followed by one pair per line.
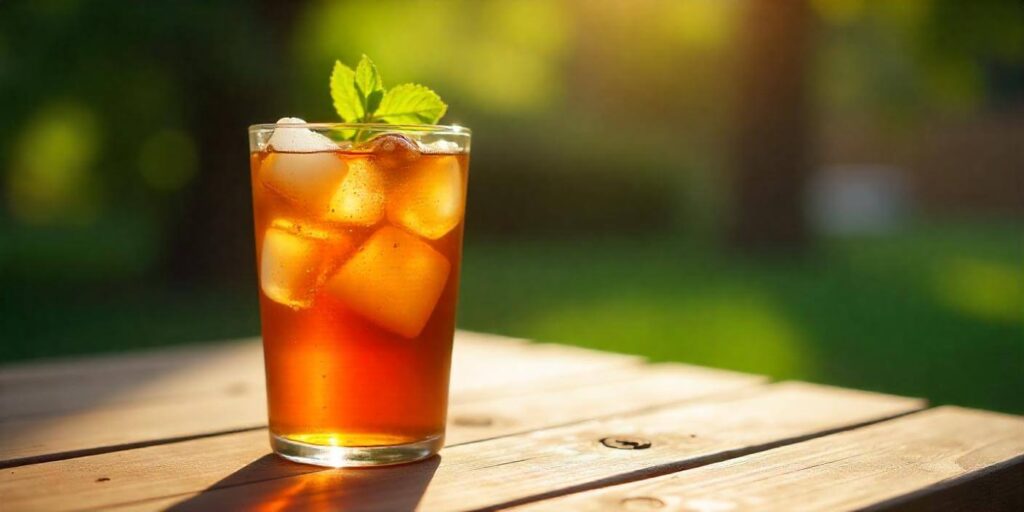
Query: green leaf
x,y
410,104
373,101
346,97
359,97
370,86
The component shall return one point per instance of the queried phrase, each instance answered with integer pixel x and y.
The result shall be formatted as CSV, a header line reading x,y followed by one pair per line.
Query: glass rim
x,y
437,129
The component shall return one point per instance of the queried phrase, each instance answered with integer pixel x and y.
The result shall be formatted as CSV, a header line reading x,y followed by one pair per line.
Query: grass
x,y
936,312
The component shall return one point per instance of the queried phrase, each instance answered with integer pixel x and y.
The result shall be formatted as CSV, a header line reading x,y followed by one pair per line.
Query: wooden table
x,y
531,427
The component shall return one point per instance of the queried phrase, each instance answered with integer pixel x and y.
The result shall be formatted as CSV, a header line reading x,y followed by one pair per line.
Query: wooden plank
x,y
61,370
997,490
105,429
629,388
234,471
483,370
219,389
895,464
623,389
58,387
37,389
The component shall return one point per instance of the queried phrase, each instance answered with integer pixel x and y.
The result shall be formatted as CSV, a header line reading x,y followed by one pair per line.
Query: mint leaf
x,y
359,97
370,86
373,102
347,100
410,104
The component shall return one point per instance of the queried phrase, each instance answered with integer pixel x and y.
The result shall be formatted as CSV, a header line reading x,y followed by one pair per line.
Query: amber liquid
x,y
358,305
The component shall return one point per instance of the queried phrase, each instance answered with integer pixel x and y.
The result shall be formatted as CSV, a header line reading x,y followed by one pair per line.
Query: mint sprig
x,y
360,97
369,85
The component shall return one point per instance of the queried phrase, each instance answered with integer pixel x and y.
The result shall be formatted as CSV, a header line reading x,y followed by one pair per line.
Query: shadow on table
x,y
272,484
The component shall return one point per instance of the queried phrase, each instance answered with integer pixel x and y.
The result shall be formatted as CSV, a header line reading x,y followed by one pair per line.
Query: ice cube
x,y
359,198
438,147
294,258
306,178
394,280
302,165
430,200
298,140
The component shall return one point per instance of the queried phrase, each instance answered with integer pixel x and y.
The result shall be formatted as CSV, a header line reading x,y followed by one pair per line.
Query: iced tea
x,y
358,249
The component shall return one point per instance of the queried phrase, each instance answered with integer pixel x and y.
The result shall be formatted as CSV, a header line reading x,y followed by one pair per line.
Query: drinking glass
x,y
358,248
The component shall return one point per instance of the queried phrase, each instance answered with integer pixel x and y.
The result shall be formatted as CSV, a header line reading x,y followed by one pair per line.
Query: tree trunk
x,y
773,147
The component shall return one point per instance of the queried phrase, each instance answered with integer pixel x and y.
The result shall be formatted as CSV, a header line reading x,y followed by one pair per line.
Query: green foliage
x,y
345,95
871,313
411,104
360,97
369,84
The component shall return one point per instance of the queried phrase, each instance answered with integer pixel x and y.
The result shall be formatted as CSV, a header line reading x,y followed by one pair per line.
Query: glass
x,y
358,248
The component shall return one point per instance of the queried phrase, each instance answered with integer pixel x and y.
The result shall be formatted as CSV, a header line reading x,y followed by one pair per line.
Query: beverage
x,y
358,249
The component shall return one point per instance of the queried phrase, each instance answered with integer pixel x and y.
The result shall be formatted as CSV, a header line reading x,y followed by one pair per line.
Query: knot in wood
x,y
626,443
641,503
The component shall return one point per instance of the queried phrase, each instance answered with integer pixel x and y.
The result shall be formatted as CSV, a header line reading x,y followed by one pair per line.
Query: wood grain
x,y
175,394
903,463
619,391
59,387
622,389
627,388
234,471
490,365
119,426
74,384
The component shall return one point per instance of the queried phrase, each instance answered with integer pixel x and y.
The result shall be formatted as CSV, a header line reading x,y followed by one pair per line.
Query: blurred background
x,y
830,190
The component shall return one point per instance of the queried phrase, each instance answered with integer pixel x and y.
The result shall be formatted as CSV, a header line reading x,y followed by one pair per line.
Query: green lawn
x,y
935,312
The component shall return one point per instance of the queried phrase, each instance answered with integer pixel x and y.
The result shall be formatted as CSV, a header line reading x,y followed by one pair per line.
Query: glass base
x,y
354,456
